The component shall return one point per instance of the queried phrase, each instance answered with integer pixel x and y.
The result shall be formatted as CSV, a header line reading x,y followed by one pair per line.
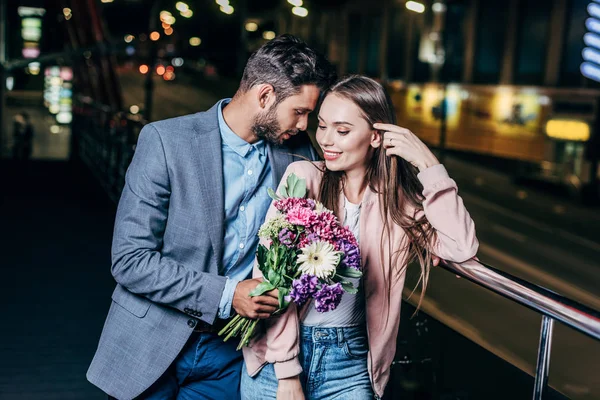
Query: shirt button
x,y
241,245
191,323
249,172
242,208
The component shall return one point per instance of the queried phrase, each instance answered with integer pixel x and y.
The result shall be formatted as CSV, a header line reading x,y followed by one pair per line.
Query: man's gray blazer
x,y
167,248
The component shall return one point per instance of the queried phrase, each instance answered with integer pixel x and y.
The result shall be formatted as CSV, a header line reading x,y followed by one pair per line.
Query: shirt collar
x,y
236,143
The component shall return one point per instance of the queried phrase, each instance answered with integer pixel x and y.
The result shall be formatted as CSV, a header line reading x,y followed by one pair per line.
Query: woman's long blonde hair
x,y
392,178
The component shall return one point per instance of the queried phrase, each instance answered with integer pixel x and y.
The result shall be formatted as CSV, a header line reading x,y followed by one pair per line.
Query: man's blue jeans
x,y
206,369
334,361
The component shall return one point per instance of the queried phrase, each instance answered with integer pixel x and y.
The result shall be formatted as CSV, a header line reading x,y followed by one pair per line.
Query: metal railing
x,y
105,141
552,306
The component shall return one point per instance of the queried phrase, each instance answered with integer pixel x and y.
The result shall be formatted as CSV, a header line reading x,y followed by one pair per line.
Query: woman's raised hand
x,y
403,143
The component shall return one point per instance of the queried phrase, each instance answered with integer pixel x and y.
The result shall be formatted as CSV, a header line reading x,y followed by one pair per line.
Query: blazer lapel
x,y
206,146
280,158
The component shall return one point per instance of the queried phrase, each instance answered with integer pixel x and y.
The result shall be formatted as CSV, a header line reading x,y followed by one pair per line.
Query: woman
x,y
390,189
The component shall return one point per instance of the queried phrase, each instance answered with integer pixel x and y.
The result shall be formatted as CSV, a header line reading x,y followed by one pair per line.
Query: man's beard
x,y
266,127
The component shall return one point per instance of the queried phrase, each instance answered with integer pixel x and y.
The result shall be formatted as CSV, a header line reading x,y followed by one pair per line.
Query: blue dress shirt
x,y
247,176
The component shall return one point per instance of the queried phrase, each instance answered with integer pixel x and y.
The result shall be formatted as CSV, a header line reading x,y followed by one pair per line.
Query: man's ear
x,y
265,95
376,138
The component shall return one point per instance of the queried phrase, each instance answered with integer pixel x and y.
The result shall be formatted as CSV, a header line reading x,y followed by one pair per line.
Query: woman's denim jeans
x,y
334,361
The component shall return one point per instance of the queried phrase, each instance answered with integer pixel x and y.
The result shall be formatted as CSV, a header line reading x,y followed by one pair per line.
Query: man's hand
x,y
290,389
260,307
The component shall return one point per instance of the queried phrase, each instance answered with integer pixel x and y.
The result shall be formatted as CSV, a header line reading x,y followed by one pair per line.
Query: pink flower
x,y
284,205
300,216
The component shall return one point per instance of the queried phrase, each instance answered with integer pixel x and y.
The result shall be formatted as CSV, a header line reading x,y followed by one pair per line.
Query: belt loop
x,y
340,335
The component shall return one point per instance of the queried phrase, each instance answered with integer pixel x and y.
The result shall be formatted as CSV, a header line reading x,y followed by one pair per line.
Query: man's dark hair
x,y
287,63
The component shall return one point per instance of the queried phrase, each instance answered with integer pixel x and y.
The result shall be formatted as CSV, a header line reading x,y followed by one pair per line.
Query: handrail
x,y
551,305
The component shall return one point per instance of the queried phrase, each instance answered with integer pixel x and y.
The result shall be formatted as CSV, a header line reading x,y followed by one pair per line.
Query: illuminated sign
x,y
570,130
590,68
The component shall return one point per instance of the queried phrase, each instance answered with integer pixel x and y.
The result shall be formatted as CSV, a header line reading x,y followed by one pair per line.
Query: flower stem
x,y
230,325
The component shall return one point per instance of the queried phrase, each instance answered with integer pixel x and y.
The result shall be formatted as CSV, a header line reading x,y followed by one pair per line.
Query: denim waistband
x,y
317,334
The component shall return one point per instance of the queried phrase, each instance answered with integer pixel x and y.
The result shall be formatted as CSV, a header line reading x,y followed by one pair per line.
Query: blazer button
x,y
192,323
186,310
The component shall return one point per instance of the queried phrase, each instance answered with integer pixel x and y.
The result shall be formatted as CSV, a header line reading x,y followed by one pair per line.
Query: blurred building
x,y
509,73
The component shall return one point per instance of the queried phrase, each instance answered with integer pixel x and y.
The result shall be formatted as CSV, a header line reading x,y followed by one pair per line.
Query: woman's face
x,y
346,138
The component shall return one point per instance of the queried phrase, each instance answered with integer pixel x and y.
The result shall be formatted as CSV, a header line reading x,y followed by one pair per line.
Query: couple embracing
x,y
185,239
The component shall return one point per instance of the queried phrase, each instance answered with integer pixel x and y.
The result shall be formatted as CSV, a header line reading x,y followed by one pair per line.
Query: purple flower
x,y
286,237
351,252
303,289
329,297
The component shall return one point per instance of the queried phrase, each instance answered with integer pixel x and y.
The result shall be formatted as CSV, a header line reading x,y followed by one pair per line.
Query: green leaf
x,y
282,293
261,289
349,272
349,288
272,194
273,277
283,192
299,189
296,187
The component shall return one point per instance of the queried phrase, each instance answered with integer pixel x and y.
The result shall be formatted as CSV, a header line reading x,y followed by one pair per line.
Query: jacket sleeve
x,y
282,331
456,240
137,261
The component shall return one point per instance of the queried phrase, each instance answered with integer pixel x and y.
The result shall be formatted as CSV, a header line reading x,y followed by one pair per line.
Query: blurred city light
x,y
222,3
31,12
64,117
34,68
10,83
591,55
169,31
130,50
134,109
165,25
129,38
438,7
169,76
144,69
177,62
66,11
590,68
154,36
187,14
268,35
594,10
415,6
296,3
160,70
251,26
55,129
227,9
106,1
569,130
592,24
181,6
195,41
300,11
167,18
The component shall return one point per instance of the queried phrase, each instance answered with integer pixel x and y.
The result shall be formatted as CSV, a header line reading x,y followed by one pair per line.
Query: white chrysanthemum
x,y
319,259
319,207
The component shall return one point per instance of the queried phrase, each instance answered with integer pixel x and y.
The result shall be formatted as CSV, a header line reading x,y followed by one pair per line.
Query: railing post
x,y
543,360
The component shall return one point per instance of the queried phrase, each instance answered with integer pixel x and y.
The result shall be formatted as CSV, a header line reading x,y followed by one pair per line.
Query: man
x,y
186,230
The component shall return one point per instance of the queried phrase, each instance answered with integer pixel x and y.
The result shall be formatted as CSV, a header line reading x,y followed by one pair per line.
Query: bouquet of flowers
x,y
310,256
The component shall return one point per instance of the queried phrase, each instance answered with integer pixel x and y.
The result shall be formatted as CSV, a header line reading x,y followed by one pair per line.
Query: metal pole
x,y
149,83
443,112
243,49
2,71
543,360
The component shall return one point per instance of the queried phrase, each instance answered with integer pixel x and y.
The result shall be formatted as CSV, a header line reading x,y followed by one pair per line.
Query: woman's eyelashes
x,y
340,131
